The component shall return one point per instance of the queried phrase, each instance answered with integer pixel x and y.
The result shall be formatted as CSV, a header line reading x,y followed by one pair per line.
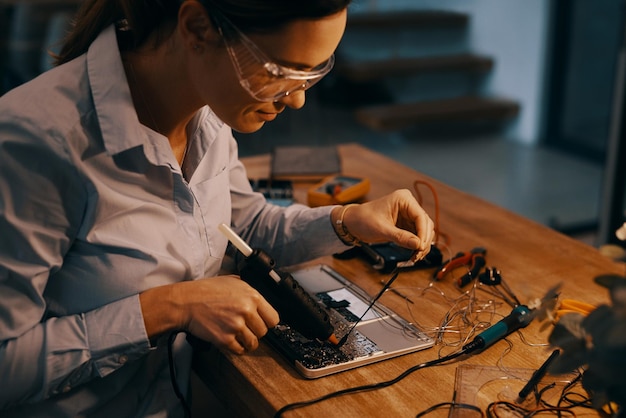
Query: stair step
x,y
461,109
406,18
359,71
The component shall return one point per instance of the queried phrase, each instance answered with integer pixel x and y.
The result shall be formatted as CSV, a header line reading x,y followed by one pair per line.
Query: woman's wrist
x,y
161,313
337,217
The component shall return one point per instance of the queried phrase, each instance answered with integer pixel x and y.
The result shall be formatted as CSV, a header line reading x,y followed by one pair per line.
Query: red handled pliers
x,y
474,260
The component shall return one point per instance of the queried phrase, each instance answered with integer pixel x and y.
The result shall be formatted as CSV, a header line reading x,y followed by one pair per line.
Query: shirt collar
x,y
119,123
117,117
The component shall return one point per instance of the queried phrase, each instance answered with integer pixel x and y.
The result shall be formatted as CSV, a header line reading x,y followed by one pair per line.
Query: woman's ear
x,y
195,26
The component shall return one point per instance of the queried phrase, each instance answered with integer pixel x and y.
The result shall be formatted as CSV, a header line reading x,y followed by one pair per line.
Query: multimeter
x,y
338,190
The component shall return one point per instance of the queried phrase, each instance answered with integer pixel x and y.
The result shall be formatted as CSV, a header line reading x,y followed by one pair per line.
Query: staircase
x,y
401,69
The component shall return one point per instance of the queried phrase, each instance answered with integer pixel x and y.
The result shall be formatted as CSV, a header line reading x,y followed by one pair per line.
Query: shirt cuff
x,y
116,334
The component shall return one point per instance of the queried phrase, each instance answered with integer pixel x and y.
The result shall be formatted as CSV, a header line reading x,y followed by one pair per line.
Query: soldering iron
x,y
519,317
296,307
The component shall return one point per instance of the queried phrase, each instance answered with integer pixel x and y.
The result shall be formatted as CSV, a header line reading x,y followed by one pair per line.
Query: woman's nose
x,y
294,100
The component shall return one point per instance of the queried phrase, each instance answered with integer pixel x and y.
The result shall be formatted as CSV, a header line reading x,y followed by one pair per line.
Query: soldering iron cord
x,y
370,387
170,357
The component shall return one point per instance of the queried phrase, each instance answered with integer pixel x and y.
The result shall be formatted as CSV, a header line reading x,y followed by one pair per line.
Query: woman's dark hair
x,y
147,16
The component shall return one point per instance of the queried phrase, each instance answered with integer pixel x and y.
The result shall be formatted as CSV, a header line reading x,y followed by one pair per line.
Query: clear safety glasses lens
x,y
265,80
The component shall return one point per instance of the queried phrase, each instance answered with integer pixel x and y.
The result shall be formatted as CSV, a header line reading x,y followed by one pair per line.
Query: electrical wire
x,y
465,316
510,407
565,404
389,282
438,232
369,387
172,365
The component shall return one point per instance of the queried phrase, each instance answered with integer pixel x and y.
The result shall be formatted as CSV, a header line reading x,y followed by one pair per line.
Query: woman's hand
x,y
223,310
396,217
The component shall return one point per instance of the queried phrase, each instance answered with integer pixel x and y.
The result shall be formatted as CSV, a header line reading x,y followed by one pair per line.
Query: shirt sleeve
x,y
291,235
42,202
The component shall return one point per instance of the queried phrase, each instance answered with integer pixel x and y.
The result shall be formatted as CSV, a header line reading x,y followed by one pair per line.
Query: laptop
x,y
380,335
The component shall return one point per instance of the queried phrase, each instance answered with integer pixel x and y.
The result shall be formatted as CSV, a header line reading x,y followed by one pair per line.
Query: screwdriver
x,y
296,307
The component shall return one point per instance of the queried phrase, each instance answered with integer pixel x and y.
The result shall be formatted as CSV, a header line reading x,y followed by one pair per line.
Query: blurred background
x,y
519,102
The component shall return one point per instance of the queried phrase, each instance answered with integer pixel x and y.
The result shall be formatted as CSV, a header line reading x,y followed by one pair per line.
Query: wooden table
x,y
531,257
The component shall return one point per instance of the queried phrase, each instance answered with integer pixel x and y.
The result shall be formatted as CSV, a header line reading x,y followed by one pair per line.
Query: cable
x,y
370,387
170,358
466,315
394,275
438,232
492,410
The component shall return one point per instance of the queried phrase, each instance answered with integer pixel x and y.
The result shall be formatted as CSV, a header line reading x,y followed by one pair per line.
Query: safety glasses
x,y
265,80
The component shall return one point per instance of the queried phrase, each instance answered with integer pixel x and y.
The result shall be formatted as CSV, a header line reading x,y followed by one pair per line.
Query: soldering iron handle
x,y
296,307
518,318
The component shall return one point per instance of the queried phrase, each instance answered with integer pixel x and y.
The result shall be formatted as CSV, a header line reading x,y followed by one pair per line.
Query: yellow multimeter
x,y
338,190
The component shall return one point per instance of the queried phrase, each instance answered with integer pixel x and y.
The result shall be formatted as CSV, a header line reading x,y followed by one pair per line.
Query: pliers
x,y
474,260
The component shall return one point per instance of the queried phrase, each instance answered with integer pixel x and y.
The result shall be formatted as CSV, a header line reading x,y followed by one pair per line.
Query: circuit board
x,y
315,354
368,331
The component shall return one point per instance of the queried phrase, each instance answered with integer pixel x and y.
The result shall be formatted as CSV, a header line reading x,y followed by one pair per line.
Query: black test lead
x,y
382,291
536,377
294,305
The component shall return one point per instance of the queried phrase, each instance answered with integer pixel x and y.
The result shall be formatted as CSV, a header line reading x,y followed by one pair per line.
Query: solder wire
x,y
461,319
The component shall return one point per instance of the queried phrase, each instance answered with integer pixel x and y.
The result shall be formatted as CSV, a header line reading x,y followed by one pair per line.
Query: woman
x,y
117,166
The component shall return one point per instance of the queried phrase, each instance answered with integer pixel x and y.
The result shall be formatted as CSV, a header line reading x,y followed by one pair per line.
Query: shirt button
x,y
123,359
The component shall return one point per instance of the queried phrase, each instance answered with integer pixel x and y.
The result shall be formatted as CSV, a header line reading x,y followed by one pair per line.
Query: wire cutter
x,y
474,260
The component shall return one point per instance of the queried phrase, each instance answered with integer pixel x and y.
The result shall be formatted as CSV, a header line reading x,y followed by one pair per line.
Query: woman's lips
x,y
267,116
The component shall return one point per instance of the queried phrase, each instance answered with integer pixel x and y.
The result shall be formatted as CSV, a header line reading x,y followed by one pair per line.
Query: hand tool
x,y
474,260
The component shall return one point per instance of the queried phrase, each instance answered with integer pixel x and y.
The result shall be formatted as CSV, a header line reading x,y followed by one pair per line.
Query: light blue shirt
x,y
95,209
